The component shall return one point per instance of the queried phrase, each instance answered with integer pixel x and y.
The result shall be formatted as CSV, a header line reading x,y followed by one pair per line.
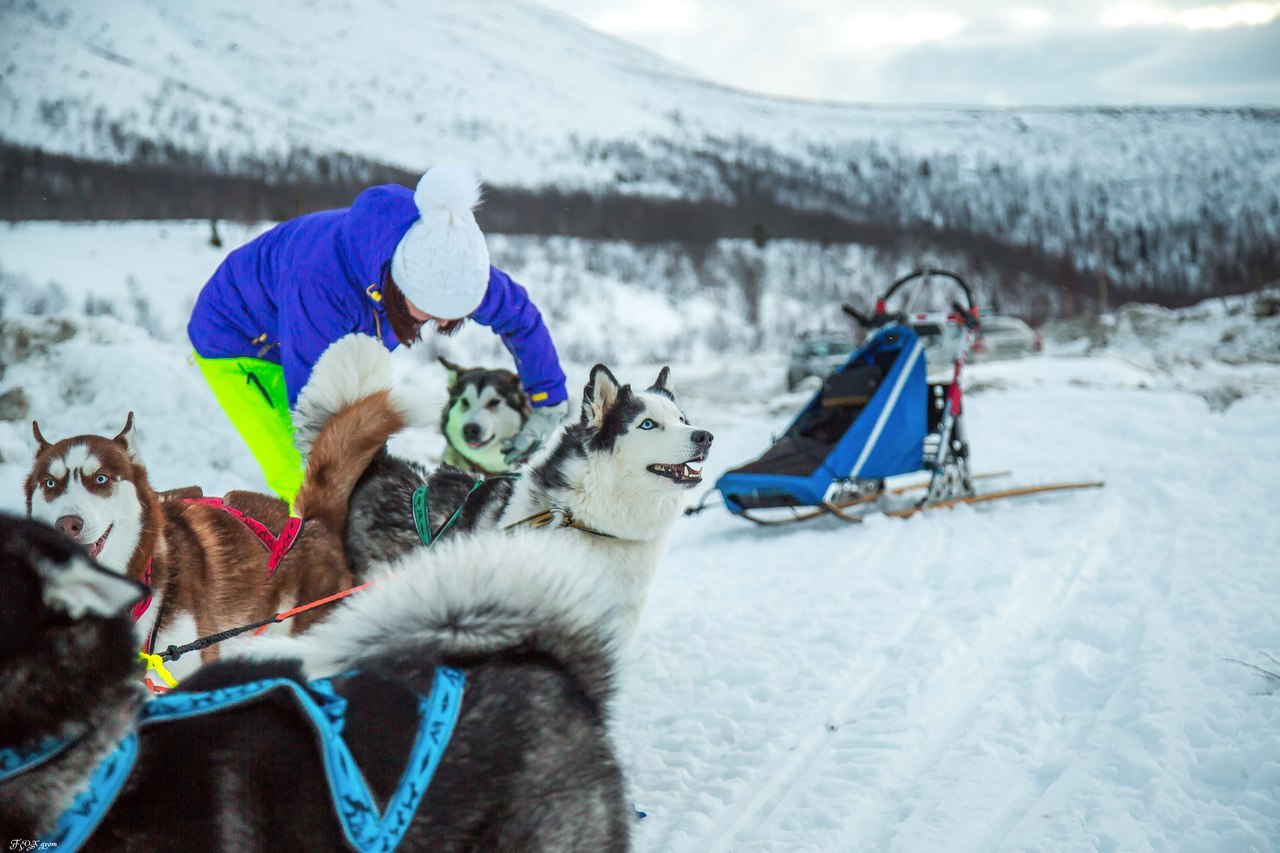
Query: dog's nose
x,y
702,438
72,525
470,432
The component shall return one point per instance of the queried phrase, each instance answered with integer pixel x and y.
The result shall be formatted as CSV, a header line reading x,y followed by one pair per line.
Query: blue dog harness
x,y
366,829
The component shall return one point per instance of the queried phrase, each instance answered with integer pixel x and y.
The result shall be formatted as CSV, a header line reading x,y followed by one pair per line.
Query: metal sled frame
x,y
896,431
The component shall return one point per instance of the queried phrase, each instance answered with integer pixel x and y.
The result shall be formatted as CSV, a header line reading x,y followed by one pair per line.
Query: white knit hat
x,y
442,264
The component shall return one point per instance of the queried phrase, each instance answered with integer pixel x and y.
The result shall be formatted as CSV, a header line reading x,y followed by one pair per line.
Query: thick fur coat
x,y
208,570
533,623
617,479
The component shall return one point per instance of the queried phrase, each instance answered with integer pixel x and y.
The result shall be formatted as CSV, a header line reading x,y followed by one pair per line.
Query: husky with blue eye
x,y
617,478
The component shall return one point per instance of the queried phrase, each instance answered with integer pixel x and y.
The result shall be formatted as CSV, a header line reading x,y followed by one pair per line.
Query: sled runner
x,y
895,407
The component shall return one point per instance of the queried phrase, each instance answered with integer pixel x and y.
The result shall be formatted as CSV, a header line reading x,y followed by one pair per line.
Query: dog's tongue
x,y
95,548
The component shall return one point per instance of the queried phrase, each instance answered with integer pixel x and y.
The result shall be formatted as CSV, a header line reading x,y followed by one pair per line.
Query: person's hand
x,y
541,423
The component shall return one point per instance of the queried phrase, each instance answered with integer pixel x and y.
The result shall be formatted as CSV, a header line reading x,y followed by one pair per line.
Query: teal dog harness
x,y
366,828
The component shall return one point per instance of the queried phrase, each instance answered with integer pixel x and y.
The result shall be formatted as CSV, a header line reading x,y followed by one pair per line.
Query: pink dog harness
x,y
277,546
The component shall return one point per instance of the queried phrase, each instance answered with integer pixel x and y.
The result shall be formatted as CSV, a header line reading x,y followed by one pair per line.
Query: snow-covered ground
x,y
1046,673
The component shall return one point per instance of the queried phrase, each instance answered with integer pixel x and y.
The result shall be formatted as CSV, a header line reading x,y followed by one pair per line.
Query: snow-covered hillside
x,y
524,93
519,90
1163,203
1048,674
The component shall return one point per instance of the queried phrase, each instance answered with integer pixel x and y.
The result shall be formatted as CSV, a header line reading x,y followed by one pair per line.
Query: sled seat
x,y
867,421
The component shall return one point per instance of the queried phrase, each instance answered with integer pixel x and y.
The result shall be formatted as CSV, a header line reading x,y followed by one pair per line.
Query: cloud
x,y
1029,17
1135,65
1216,17
1044,52
863,30
654,16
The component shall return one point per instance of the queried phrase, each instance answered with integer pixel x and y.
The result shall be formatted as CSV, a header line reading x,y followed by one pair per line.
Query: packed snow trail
x,y
1044,673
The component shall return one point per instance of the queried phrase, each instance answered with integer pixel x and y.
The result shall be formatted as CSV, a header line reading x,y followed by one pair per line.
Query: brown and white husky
x,y
212,563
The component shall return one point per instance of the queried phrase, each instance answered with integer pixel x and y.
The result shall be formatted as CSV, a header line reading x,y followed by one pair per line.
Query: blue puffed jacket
x,y
288,294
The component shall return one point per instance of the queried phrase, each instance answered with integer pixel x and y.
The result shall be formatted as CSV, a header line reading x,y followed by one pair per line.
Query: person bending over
x,y
393,262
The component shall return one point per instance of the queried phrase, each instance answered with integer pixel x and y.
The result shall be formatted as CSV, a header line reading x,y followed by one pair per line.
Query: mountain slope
x,y
1156,204
504,84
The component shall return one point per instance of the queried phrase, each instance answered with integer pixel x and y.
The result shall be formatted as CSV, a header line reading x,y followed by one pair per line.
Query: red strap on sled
x,y
277,546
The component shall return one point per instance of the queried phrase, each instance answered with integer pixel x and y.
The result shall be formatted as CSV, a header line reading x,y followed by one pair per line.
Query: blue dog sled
x,y
895,407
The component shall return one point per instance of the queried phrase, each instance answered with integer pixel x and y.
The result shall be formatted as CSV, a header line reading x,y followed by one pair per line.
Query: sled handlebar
x,y
968,313
876,320
927,273
862,319
969,317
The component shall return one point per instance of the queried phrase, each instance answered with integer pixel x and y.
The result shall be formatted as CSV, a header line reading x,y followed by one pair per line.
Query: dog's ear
x,y
660,384
80,586
526,407
600,395
41,444
129,438
452,371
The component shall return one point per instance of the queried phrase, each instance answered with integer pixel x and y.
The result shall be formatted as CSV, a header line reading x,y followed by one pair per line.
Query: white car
x,y
1004,336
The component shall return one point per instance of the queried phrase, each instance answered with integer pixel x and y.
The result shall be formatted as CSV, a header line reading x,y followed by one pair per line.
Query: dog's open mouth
x,y
683,473
95,548
476,445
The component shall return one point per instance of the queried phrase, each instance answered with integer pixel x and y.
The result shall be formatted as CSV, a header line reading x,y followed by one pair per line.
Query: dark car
x,y
817,354
1005,336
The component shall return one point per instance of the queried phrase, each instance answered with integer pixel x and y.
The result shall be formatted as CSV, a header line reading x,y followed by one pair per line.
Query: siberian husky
x,y
529,622
486,409
212,564
617,479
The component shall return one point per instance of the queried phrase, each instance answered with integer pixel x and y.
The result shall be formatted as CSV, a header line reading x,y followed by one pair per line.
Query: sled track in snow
x,y
1004,822
874,743
742,823
967,686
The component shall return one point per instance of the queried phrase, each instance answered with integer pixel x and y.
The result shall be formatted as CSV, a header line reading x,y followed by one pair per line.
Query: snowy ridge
x,y
531,99
411,85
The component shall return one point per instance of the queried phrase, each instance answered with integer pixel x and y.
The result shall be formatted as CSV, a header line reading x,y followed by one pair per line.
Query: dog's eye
x,y
493,404
647,423
101,479
50,483
465,405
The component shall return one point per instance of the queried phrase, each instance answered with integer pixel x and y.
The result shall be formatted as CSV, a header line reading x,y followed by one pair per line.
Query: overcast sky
x,y
964,51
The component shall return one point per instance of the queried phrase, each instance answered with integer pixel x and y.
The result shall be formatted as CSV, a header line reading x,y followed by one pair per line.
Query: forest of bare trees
x,y
1096,243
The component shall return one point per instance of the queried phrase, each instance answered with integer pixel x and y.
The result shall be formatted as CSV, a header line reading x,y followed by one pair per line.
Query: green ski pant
x,y
252,393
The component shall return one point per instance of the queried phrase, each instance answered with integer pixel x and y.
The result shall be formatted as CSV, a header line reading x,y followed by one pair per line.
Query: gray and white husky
x,y
485,410
530,621
616,479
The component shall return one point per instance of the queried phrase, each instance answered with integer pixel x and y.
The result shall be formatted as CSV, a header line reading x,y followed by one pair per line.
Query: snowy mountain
x,y
1170,204
528,95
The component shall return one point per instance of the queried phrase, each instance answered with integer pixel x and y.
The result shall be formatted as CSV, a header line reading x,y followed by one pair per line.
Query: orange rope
x,y
280,617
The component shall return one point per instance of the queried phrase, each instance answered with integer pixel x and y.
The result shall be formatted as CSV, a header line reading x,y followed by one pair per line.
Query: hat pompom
x,y
451,187
441,264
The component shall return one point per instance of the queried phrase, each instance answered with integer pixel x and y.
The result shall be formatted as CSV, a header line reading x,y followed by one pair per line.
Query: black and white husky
x,y
529,621
617,479
485,410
